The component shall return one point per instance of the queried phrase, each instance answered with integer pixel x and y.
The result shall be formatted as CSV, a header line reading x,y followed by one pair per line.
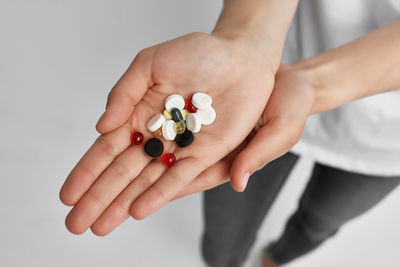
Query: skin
x,y
112,167
114,180
311,86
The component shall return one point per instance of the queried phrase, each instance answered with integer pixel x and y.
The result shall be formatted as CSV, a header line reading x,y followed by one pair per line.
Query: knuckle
x,y
291,128
82,169
141,54
120,207
161,193
106,146
145,183
96,197
294,134
122,170
261,162
177,176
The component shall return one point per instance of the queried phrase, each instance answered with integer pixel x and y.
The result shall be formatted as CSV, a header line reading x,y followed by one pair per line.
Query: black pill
x,y
176,115
184,139
154,147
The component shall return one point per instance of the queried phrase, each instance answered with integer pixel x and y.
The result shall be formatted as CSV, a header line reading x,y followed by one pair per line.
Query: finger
x,y
93,163
161,192
115,178
210,178
126,93
118,211
271,141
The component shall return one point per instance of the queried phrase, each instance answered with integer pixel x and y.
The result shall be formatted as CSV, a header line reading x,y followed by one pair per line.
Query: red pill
x,y
189,106
137,138
168,159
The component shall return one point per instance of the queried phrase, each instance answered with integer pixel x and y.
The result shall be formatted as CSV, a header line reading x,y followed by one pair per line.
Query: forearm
x,y
367,66
262,25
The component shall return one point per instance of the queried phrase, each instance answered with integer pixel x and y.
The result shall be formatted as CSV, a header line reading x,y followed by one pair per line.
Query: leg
x,y
232,219
332,198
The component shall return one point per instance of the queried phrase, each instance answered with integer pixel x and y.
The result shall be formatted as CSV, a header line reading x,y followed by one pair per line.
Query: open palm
x,y
113,179
277,131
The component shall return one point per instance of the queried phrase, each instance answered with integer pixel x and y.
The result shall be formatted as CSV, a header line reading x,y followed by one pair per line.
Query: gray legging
x,y
331,198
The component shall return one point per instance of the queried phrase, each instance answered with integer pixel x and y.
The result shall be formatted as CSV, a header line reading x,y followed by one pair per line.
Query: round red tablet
x,y
137,138
189,106
168,159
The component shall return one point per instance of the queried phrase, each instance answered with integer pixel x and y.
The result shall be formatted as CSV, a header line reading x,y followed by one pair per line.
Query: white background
x,y
58,60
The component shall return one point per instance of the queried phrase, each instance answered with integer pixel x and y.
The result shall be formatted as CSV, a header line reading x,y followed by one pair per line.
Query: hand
x,y
113,179
279,128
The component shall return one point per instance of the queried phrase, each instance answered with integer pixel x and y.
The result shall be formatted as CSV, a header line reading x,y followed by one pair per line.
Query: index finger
x,y
104,150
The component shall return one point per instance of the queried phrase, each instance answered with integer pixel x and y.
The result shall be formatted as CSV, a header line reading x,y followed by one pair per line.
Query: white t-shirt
x,y
364,135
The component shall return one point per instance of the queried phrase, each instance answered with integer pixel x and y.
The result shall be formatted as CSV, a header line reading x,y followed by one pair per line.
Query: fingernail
x,y
245,180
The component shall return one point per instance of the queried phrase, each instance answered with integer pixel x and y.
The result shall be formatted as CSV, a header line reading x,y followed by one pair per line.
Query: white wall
x,y
58,60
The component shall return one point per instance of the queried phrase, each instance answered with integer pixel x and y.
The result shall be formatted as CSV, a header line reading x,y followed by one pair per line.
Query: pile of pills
x,y
178,122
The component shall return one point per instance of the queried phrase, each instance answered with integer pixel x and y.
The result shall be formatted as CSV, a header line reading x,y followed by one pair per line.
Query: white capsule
x,y
193,122
156,122
168,130
207,116
201,100
174,101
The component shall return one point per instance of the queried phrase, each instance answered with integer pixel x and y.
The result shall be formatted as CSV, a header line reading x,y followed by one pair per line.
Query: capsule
x,y
176,115
167,115
179,127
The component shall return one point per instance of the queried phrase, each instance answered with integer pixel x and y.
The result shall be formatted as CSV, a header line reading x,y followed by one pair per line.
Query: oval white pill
x,y
168,130
193,122
207,116
201,100
174,101
156,122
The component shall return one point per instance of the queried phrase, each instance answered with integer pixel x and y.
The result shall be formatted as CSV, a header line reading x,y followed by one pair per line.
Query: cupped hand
x,y
114,180
278,129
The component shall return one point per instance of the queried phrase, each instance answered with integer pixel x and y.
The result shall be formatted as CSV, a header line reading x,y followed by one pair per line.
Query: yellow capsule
x,y
167,115
179,127
158,134
184,113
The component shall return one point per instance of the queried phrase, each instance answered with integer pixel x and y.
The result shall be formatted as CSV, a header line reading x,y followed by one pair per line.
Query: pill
x,y
184,139
189,106
179,127
154,147
176,115
156,122
207,116
137,138
168,130
184,113
167,115
168,159
158,133
193,122
174,101
201,100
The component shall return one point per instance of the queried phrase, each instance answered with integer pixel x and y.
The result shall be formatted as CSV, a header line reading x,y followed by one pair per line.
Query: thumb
x,y
273,140
125,94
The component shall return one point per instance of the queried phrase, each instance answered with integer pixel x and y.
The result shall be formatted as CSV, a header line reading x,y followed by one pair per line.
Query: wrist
x,y
258,26
252,47
318,75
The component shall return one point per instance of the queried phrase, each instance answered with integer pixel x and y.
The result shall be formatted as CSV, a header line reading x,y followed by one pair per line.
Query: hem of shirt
x,y
344,162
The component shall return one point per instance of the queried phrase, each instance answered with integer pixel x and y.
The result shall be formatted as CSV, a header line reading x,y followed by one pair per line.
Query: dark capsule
x,y
176,115
184,139
154,147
